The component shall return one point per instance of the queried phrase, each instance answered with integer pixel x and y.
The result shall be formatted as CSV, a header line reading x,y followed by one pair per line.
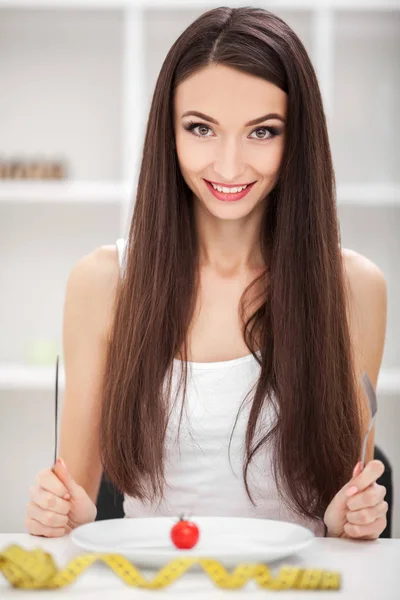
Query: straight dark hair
x,y
301,324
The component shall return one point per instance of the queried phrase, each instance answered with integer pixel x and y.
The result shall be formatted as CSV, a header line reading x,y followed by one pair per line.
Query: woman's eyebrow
x,y
196,113
265,118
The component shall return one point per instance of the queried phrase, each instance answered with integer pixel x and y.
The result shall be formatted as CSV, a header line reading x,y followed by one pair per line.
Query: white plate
x,y
146,542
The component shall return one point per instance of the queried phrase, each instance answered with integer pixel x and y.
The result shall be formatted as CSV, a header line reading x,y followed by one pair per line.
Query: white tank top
x,y
203,477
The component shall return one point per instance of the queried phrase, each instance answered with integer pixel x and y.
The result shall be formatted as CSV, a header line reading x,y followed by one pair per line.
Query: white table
x,y
368,571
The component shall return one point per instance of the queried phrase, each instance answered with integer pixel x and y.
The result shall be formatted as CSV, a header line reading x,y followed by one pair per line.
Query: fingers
x,y
47,511
51,520
369,475
372,496
366,516
365,532
48,501
358,509
47,480
35,528
61,471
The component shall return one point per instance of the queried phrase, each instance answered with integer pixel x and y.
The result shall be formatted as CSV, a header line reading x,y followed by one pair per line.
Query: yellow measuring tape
x,y
36,570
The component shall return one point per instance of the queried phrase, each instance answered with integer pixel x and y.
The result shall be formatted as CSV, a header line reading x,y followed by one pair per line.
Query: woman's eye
x,y
263,133
199,129
203,130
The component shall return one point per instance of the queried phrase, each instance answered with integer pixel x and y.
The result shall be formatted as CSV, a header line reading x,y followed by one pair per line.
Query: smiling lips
x,y
229,193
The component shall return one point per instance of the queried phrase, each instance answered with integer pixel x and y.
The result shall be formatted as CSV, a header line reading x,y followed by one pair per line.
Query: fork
x,y
56,412
373,407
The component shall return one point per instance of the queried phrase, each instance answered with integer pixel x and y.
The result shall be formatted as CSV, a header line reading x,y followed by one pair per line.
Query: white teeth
x,y
225,190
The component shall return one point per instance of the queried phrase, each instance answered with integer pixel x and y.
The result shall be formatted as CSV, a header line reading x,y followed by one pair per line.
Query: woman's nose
x,y
229,163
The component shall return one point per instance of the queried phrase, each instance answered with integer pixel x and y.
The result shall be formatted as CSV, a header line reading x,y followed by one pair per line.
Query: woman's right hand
x,y
57,503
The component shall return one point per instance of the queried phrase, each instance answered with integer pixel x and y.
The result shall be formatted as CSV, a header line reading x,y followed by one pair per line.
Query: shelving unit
x,y
77,78
22,377
94,192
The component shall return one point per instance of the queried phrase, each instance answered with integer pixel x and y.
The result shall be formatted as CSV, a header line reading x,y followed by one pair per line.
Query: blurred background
x,y
76,79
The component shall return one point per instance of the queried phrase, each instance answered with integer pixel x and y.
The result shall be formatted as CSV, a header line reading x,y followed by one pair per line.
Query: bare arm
x,y
368,309
358,510
88,310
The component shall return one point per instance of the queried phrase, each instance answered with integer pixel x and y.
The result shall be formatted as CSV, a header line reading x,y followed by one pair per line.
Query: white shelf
x,y
22,377
100,192
189,4
372,194
97,192
64,4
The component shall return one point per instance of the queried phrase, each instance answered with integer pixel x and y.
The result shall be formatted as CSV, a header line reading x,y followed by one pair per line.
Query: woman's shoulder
x,y
92,284
364,276
367,304
100,267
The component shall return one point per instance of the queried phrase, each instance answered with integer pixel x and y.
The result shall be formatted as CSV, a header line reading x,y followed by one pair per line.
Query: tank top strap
x,y
121,244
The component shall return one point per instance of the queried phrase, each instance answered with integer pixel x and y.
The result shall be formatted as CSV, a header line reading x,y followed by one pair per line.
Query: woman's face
x,y
229,131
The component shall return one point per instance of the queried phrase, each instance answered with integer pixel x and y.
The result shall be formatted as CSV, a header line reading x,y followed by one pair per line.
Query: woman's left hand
x,y
359,510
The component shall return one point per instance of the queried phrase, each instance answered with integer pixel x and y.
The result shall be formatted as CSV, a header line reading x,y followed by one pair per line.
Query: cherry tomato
x,y
185,534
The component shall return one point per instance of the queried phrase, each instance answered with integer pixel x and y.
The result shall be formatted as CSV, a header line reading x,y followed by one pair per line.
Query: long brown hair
x,y
301,325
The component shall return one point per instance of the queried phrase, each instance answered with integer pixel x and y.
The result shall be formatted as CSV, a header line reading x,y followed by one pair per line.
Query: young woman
x,y
213,360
